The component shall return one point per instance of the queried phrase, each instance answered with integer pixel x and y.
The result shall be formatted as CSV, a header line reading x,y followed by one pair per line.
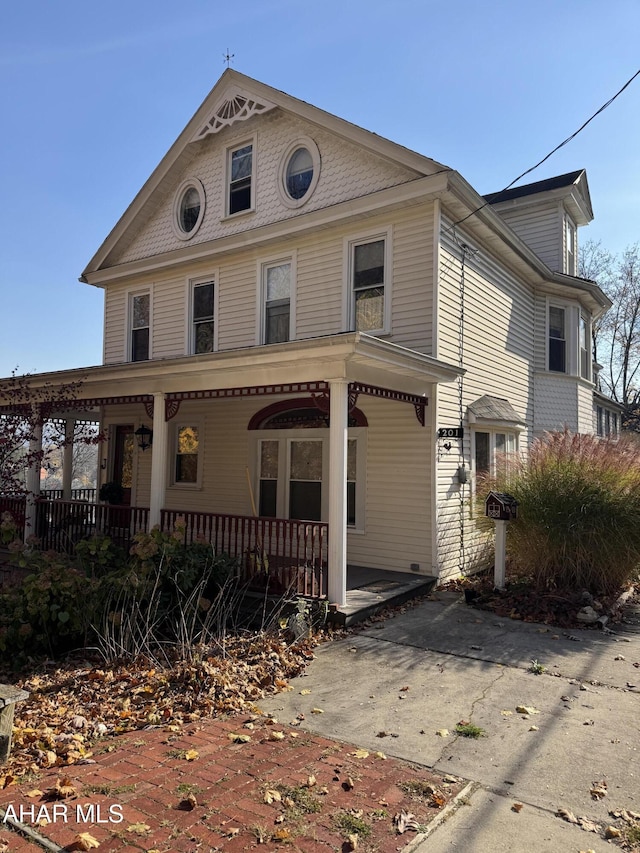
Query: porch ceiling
x,y
351,356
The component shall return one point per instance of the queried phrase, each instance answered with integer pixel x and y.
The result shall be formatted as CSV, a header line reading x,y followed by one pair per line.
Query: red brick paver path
x,y
130,799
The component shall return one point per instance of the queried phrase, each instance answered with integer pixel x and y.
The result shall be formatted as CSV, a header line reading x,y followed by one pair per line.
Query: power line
x,y
557,148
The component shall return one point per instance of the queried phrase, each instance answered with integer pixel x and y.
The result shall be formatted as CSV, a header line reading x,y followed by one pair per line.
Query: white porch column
x,y
158,459
33,481
67,458
338,433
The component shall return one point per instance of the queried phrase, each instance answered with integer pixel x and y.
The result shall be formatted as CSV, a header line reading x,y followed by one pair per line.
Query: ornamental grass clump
x,y
578,524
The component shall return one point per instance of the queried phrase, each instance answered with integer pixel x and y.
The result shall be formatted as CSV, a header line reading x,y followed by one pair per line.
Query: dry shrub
x,y
578,520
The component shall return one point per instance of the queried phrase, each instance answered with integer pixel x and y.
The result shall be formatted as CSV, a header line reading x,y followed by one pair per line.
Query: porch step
x,y
369,599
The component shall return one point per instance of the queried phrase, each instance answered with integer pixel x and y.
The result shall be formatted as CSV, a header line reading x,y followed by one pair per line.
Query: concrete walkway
x,y
402,684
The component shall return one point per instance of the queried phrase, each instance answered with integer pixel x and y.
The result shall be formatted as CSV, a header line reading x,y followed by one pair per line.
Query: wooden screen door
x,y
123,460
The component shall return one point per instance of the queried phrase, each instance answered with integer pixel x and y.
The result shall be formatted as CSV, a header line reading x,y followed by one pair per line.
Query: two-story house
x,y
318,327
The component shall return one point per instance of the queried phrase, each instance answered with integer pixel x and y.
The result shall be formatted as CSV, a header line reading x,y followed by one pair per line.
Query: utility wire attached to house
x,y
553,151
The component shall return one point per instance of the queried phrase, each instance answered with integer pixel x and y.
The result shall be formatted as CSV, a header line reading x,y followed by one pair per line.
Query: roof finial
x,y
228,57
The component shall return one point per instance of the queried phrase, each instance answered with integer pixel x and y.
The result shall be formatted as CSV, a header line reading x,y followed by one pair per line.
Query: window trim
x,y
185,186
226,195
197,422
492,429
350,244
191,284
261,312
570,258
312,148
131,294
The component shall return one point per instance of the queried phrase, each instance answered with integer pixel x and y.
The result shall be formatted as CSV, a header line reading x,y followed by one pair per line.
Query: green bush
x,y
578,522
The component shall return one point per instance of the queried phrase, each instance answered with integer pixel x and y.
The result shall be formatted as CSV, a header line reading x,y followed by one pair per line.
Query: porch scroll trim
x,y
419,403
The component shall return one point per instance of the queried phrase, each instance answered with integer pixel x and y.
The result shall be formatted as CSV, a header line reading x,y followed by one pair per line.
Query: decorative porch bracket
x,y
419,403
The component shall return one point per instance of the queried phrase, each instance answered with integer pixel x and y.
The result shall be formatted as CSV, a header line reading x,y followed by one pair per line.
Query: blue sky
x,y
93,94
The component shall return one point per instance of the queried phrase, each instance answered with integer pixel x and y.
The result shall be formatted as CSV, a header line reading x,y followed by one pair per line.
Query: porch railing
x,y
82,494
60,525
15,505
281,554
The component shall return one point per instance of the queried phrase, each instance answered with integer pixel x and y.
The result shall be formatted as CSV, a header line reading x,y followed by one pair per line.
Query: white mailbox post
x,y
502,508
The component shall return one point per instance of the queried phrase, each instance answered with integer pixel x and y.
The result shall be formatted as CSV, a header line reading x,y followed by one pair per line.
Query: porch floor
x,y
371,590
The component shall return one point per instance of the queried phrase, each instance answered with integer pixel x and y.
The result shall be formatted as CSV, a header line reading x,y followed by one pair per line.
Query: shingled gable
x,y
237,98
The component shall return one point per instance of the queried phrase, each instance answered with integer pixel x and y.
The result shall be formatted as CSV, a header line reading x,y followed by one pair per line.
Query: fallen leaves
x,y
583,822
527,710
83,841
598,790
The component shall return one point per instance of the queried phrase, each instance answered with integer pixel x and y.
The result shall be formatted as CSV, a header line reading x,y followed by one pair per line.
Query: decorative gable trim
x,y
238,107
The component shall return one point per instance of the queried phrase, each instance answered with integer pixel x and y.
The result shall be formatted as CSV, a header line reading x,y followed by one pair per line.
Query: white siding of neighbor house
x,y
319,288
347,172
540,226
397,529
498,351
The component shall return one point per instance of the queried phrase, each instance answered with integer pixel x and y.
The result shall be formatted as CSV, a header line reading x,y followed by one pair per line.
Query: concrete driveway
x,y
399,684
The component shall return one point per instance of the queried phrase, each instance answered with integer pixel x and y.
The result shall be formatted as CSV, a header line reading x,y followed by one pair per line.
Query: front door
x,y
123,460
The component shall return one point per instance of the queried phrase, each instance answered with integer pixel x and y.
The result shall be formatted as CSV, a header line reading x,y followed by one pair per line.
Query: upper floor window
x,y
369,285
299,172
140,311
557,339
240,172
585,359
571,248
276,289
202,319
188,208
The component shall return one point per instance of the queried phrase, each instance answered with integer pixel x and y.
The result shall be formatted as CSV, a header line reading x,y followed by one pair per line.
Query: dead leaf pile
x,y
69,708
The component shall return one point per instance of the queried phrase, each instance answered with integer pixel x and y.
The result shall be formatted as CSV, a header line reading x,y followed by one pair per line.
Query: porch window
x,y
305,480
140,310
202,329
240,167
187,449
557,339
368,286
268,497
276,287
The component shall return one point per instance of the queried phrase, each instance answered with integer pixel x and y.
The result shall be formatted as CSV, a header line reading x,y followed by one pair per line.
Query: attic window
x,y
299,172
188,208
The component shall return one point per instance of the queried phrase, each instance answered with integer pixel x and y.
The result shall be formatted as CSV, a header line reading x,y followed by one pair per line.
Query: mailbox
x,y
500,506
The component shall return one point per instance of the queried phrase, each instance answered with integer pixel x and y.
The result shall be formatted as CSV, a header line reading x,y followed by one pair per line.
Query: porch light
x,y
144,436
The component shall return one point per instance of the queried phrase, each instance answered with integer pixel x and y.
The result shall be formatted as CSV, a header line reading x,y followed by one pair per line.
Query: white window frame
x,y
191,285
265,264
242,143
312,148
197,422
185,186
285,437
493,430
570,237
572,337
583,315
131,295
350,243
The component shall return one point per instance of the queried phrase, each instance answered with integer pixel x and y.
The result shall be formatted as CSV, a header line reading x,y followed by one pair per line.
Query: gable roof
x,y
571,186
235,98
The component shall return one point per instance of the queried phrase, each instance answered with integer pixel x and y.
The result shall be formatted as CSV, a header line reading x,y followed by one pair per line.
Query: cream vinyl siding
x,y
398,471
319,285
115,325
169,317
556,402
498,352
585,407
540,226
237,302
541,331
347,171
412,300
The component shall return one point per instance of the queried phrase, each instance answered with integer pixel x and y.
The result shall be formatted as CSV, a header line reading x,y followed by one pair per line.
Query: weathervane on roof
x,y
228,57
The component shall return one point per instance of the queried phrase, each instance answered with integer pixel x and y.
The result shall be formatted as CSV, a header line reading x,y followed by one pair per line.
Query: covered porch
x,y
307,553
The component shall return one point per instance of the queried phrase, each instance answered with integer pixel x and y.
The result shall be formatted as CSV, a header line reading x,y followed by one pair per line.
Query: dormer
x,y
546,215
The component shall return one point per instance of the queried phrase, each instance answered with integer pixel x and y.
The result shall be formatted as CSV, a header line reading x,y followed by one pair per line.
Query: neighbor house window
x,y
187,453
571,247
276,286
557,339
140,307
202,320
368,286
240,179
493,449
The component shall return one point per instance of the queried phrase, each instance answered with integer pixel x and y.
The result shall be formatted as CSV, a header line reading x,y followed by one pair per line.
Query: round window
x,y
188,208
299,173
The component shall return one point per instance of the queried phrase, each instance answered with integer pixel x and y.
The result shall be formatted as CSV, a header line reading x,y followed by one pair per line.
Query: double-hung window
x,y
202,317
276,287
493,449
557,339
585,361
240,172
187,463
140,311
571,245
368,274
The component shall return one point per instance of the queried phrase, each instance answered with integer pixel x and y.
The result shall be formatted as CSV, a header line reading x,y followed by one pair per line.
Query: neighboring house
x,y
281,264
